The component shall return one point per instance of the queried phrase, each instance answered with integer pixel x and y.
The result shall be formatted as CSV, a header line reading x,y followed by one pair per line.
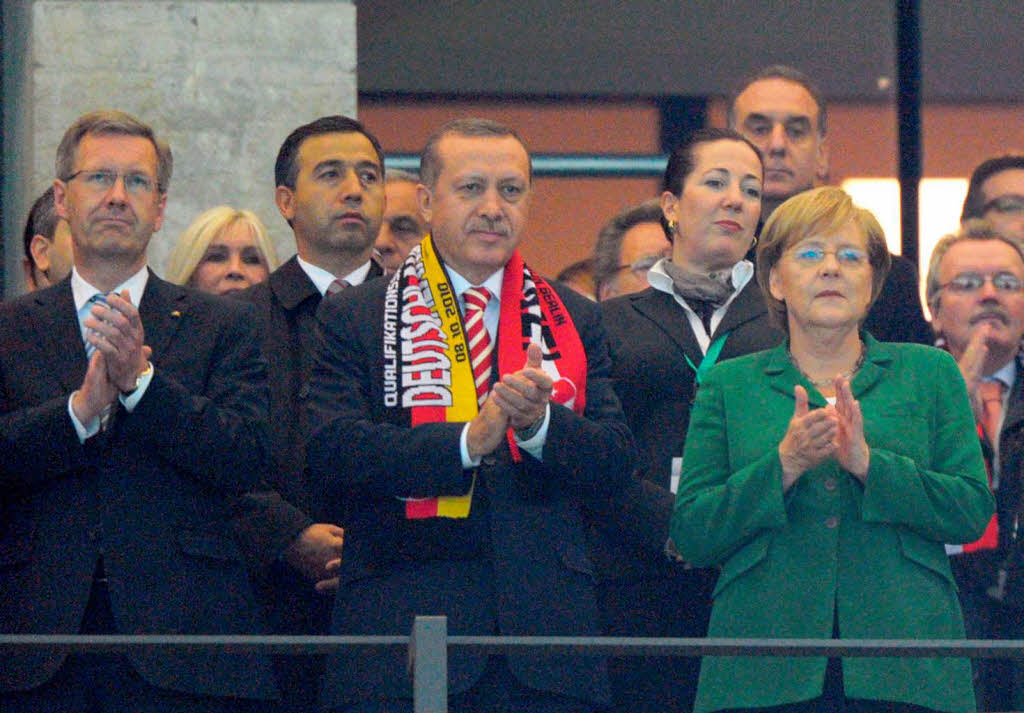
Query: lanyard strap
x,y
710,357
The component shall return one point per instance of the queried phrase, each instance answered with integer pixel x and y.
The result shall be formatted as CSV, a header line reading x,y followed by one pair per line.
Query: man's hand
x,y
524,395
810,438
972,365
96,392
115,329
487,430
316,554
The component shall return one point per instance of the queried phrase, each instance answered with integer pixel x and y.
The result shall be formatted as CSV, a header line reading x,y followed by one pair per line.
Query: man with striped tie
x,y
461,412
131,416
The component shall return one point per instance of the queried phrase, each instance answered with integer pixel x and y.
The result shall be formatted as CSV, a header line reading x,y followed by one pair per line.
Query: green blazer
x,y
869,555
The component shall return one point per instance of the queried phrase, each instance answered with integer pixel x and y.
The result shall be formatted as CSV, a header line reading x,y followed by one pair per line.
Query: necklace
x,y
828,380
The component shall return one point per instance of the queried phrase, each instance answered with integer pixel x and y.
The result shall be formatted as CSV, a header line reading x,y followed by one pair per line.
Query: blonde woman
x,y
224,250
824,476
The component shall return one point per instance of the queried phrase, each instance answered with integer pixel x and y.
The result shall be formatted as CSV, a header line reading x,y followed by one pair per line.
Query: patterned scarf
x,y
427,368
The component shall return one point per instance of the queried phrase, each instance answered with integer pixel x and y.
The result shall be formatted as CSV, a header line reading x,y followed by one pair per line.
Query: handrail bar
x,y
569,164
596,645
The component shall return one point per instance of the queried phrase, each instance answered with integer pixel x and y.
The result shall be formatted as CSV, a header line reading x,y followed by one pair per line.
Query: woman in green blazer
x,y
824,476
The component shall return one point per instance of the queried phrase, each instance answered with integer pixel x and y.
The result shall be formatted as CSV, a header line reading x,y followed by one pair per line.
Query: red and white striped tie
x,y
478,339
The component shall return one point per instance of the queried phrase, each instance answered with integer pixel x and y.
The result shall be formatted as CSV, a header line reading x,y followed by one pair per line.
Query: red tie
x,y
337,286
991,393
479,340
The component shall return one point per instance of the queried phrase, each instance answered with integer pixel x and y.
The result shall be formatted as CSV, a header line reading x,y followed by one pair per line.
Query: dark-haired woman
x,y
703,306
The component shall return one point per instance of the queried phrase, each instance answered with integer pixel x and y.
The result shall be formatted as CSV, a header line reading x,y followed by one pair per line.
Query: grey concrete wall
x,y
224,82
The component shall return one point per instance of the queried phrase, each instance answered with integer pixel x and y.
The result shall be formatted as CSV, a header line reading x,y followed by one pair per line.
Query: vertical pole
x,y
428,663
908,68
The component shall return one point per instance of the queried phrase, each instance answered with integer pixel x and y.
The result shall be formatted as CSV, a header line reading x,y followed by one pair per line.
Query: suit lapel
x,y
876,364
162,310
292,285
57,320
669,317
1015,404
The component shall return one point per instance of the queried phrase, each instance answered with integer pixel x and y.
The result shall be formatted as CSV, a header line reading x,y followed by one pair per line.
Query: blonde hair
x,y
819,210
192,244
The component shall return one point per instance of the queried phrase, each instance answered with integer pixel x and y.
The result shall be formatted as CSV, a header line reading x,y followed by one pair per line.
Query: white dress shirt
x,y
323,279
535,444
660,280
82,292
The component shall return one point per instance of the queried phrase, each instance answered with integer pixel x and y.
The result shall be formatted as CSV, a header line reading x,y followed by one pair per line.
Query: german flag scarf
x,y
427,368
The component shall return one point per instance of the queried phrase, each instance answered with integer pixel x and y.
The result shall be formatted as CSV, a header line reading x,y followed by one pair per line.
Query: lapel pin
x,y
175,313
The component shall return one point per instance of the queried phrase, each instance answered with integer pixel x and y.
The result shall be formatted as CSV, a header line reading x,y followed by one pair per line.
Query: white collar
x,y
322,279
493,283
82,291
1007,374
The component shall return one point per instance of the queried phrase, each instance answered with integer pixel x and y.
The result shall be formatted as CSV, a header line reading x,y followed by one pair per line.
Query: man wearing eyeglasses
x,y
131,415
975,291
996,193
626,248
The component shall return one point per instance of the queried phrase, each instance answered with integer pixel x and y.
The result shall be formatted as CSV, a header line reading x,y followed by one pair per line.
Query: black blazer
x,y
1009,494
896,316
151,495
362,455
649,338
269,520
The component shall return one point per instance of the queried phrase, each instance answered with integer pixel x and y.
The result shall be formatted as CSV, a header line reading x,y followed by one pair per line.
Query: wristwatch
x,y
139,379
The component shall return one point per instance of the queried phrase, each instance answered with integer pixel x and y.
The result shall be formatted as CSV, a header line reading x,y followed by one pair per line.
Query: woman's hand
x,y
852,450
812,437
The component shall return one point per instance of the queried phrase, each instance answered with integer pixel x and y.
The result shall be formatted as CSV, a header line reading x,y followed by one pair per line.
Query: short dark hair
x,y
974,203
608,248
112,123
791,74
42,220
681,162
430,161
285,168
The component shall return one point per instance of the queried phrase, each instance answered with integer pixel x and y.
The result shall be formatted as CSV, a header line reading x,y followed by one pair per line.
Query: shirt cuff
x,y
534,445
131,400
467,461
85,431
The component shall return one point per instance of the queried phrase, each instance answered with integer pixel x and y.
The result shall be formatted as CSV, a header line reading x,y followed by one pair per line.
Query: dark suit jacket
x,y
269,520
151,495
362,455
1009,495
896,316
649,338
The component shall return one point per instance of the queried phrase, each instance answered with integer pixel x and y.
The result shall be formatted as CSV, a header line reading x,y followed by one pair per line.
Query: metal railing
x,y
429,642
562,165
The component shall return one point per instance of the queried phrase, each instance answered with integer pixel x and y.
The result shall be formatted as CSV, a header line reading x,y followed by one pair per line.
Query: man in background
x,y
403,226
330,189
976,294
782,112
626,248
996,193
47,241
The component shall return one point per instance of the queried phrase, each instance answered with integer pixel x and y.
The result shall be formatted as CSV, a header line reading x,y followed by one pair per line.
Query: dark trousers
x,y
497,691
678,605
107,682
